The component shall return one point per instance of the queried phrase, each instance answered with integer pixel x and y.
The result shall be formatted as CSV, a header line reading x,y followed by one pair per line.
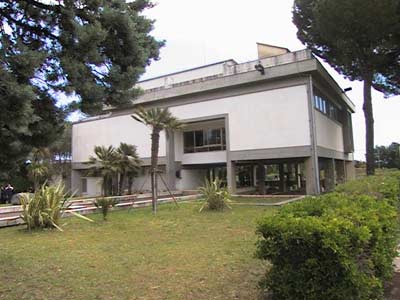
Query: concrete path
x,y
392,291
10,215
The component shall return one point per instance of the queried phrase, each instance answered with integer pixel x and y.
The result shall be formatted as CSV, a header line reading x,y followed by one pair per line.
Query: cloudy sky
x,y
207,31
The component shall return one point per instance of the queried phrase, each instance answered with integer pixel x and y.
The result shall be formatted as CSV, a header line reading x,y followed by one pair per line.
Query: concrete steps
x,y
10,215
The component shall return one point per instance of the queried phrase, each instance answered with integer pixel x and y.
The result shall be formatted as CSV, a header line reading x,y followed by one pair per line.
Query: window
x,y
188,137
212,139
327,108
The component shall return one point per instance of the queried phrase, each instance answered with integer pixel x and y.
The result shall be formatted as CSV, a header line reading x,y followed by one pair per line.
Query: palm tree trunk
x,y
103,186
35,183
121,183
369,125
155,140
130,182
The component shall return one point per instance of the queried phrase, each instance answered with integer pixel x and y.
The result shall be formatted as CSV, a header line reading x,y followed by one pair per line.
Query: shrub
x,y
45,207
105,204
215,196
383,186
329,247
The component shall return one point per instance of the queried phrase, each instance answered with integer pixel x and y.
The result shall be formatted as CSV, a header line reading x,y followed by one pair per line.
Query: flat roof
x,y
188,70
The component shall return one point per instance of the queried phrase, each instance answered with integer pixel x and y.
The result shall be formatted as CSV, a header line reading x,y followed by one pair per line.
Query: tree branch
x,y
50,7
40,31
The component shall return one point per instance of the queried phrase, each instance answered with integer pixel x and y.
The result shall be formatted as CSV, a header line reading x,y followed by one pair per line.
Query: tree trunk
x,y
369,125
155,140
121,183
104,186
130,182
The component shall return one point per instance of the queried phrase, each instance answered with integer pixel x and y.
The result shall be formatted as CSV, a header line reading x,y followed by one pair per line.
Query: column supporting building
x,y
231,175
170,160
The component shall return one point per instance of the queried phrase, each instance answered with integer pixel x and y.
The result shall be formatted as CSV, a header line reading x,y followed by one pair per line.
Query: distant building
x,y
282,119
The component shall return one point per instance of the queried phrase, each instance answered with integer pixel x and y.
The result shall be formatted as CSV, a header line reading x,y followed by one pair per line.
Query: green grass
x,y
180,254
269,200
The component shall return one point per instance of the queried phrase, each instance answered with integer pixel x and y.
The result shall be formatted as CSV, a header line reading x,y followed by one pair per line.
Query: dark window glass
x,y
204,140
223,138
188,141
199,138
213,136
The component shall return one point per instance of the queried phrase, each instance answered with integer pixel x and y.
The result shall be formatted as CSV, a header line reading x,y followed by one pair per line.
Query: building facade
x,y
280,122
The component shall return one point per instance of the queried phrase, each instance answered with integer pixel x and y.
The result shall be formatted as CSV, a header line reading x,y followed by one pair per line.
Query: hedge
x,y
383,186
336,246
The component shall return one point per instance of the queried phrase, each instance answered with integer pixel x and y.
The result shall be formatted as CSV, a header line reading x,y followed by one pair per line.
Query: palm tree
x,y
39,167
37,171
105,164
158,119
128,164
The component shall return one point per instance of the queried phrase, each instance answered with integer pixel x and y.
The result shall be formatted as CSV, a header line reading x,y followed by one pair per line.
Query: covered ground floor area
x,y
290,176
270,176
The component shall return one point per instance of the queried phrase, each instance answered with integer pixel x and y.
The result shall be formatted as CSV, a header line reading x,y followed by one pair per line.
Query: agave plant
x,y
105,204
216,197
45,207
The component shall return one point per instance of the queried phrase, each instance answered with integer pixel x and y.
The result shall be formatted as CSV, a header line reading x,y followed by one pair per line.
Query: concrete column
x,y
255,175
170,160
298,178
330,177
350,170
312,180
261,178
282,181
231,175
76,182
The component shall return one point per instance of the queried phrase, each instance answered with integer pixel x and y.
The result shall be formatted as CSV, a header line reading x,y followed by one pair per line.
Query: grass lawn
x,y
269,200
180,254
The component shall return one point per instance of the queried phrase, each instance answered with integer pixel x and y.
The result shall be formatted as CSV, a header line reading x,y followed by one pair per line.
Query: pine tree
x,y
360,39
94,49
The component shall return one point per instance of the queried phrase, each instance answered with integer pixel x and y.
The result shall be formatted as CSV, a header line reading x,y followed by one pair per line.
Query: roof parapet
x,y
231,68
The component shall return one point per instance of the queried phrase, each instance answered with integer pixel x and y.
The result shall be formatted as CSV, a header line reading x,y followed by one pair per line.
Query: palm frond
x,y
157,118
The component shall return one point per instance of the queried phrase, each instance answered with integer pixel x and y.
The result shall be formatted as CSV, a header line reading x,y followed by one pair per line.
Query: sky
x,y
202,32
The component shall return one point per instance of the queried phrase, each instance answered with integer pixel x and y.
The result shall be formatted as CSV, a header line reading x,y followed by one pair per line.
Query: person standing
x,y
2,198
8,193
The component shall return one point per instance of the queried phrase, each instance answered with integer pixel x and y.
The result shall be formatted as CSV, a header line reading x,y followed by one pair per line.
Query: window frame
x,y
205,146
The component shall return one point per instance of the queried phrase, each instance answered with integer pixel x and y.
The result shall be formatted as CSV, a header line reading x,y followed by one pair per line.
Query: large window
x,y
326,107
204,140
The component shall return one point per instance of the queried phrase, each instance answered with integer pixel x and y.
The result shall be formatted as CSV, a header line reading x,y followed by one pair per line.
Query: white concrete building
x,y
286,124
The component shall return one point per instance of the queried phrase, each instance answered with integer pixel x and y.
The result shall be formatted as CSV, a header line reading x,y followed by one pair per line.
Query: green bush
x,y
105,204
382,186
215,196
329,247
45,207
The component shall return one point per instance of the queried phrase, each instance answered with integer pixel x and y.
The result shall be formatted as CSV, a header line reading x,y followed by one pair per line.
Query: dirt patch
x,y
392,290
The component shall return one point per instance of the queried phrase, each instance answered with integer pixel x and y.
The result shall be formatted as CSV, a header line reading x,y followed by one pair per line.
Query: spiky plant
x,y
105,204
45,207
158,119
215,196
